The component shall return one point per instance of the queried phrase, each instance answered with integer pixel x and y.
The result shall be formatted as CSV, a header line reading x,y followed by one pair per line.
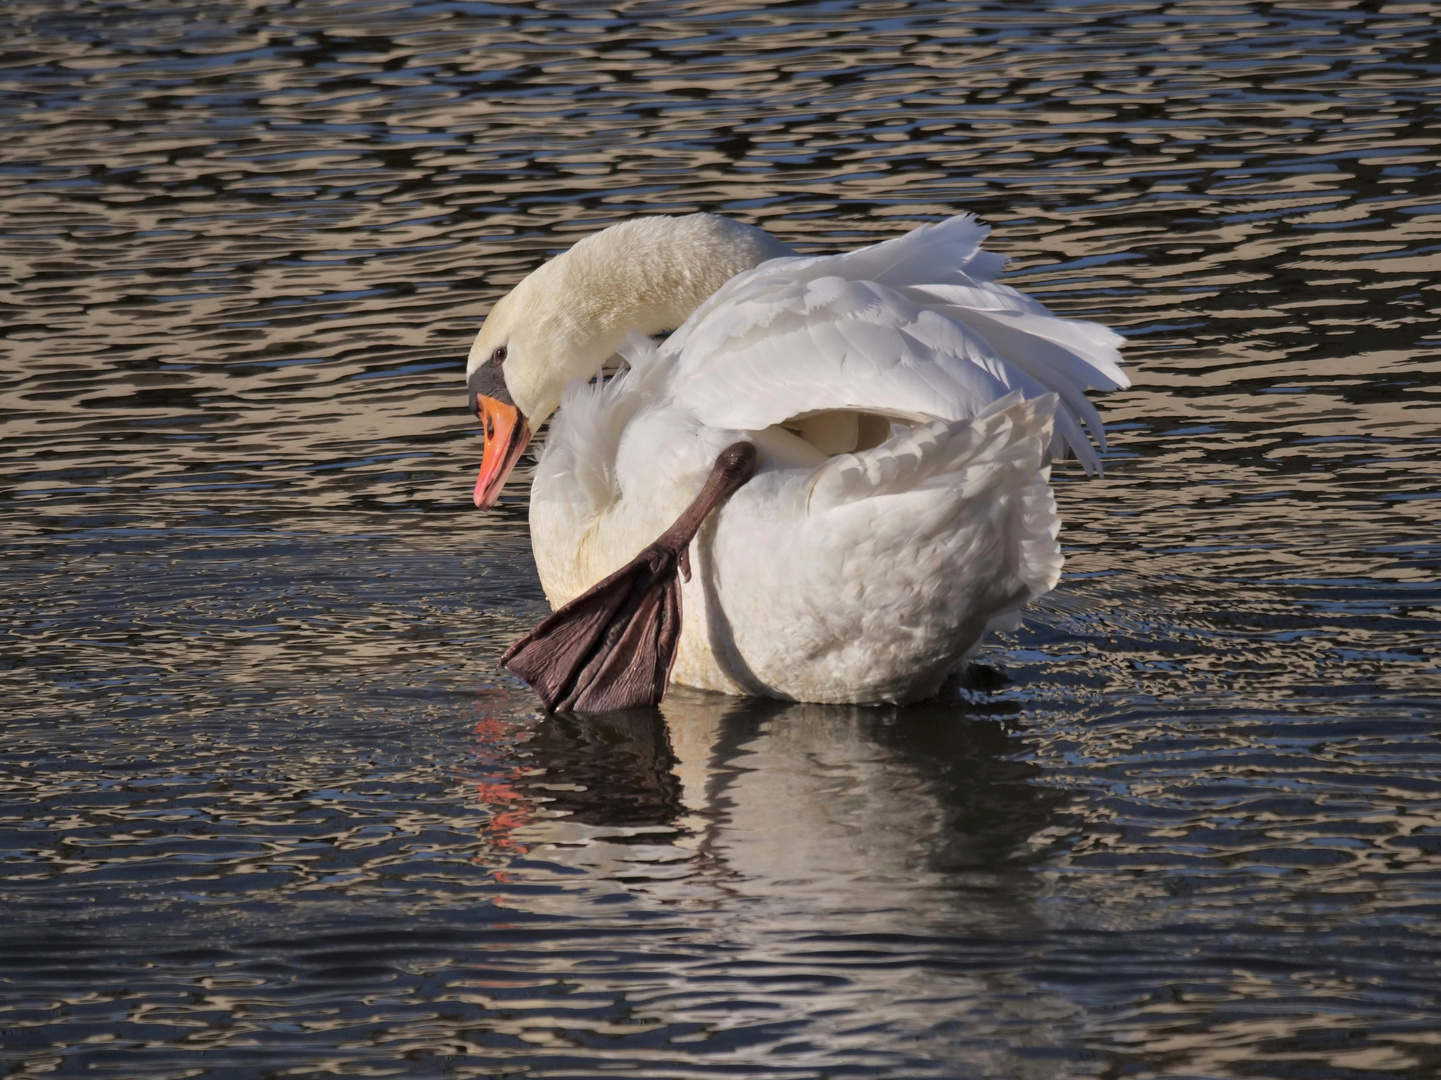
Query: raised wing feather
x,y
915,327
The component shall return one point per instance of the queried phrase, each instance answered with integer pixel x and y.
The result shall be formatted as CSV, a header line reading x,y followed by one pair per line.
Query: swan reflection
x,y
853,809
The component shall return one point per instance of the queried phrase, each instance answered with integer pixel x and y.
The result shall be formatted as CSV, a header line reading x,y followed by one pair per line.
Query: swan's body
x,y
905,407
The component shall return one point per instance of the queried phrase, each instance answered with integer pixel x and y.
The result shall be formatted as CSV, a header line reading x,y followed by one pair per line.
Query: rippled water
x,y
268,807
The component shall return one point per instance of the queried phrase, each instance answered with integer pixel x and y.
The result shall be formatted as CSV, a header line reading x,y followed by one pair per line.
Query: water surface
x,y
267,806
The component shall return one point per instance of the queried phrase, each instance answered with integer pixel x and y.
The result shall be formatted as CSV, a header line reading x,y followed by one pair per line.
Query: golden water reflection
x,y
266,802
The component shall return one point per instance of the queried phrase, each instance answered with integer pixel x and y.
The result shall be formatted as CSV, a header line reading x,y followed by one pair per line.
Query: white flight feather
x,y
914,326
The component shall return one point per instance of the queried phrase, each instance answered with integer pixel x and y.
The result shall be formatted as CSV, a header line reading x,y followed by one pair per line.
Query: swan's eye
x,y
498,357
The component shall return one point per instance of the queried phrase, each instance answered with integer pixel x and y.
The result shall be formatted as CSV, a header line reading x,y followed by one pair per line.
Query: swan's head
x,y
566,320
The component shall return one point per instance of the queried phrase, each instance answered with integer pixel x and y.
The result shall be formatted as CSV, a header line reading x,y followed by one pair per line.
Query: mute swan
x,y
850,451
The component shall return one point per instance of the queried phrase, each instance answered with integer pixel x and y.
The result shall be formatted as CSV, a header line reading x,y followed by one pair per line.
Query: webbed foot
x,y
613,646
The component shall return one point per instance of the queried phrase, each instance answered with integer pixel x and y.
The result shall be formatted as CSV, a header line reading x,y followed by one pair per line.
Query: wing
x,y
988,477
915,327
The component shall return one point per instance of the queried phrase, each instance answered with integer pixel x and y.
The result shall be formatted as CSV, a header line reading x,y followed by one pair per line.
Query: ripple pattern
x,y
267,807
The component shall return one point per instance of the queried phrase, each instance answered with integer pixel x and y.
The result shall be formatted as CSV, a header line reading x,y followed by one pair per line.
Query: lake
x,y
269,808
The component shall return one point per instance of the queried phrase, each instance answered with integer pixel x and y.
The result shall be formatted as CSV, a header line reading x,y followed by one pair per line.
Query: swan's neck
x,y
646,275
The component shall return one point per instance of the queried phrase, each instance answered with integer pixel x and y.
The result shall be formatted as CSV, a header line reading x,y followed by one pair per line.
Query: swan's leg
x,y
612,647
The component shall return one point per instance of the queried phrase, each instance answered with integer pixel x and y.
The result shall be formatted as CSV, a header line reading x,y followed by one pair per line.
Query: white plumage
x,y
905,406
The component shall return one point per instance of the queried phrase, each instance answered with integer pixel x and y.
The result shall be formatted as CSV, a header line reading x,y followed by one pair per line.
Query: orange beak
x,y
506,433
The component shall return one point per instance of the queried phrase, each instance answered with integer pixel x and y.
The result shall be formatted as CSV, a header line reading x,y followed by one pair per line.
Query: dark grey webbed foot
x,y
613,646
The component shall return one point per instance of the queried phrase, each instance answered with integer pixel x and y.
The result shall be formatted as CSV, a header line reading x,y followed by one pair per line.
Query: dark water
x,y
268,807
